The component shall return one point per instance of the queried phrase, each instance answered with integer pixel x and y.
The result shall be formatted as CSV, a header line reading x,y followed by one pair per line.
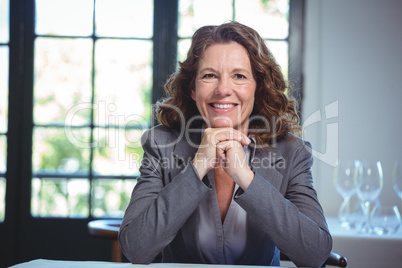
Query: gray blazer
x,y
283,212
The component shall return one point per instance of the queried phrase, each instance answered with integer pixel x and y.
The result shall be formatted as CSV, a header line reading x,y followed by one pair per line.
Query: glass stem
x,y
401,204
367,216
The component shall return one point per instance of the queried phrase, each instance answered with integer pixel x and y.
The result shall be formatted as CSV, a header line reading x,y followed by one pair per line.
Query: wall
x,y
353,56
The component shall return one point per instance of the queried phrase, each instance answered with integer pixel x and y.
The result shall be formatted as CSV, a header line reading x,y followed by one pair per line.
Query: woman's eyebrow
x,y
241,70
208,69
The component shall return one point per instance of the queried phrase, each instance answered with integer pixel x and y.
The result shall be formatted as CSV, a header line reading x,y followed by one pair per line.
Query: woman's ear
x,y
193,94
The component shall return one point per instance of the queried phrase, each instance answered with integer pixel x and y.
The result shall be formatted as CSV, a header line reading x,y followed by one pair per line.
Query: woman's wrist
x,y
245,179
199,166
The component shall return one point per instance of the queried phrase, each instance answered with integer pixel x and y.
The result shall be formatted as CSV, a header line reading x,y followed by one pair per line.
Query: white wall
x,y
353,55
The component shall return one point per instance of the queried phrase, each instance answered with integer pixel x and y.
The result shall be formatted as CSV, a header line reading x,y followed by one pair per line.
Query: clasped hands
x,y
224,147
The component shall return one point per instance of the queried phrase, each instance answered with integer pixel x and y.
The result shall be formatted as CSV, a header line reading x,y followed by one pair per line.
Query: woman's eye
x,y
239,76
208,76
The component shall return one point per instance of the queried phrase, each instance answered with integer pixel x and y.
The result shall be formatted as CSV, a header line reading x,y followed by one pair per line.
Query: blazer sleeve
x,y
294,221
159,207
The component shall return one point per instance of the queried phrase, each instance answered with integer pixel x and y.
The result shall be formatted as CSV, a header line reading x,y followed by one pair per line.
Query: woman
x,y
223,180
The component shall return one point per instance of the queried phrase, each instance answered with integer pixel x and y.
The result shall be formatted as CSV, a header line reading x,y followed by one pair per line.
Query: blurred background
x,y
78,80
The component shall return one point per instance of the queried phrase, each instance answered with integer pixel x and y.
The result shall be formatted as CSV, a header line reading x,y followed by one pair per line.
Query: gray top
x,y
283,212
222,243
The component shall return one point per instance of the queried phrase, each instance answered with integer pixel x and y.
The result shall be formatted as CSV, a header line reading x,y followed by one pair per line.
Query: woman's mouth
x,y
223,106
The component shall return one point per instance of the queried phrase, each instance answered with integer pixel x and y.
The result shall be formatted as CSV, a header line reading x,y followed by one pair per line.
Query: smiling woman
x,y
222,203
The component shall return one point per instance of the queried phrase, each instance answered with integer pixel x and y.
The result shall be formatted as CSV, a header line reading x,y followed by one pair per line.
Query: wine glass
x,y
385,220
345,180
397,179
351,214
369,186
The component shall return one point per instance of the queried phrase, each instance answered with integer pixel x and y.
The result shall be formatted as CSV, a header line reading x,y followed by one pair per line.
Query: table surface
x,y
366,250
338,231
360,249
88,264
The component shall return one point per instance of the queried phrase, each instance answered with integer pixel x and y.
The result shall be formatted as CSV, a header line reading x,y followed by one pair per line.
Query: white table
x,y
360,250
89,264
366,250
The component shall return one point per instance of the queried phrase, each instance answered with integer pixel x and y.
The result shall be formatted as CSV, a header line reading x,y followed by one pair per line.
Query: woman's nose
x,y
224,87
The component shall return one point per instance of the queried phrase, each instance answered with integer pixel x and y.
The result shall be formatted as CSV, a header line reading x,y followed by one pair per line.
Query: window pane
x,y
62,81
111,197
280,51
123,81
3,153
124,18
196,13
4,21
2,198
268,18
64,17
54,197
59,150
117,152
183,47
3,88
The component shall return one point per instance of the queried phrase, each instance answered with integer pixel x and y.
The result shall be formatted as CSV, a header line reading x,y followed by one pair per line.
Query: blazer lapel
x,y
269,163
184,152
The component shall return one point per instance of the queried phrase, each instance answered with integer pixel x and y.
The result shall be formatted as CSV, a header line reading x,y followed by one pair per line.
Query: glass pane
x,y
58,150
183,47
117,152
123,81
111,197
124,18
196,13
268,17
280,51
3,153
62,81
54,197
4,21
2,199
64,17
3,88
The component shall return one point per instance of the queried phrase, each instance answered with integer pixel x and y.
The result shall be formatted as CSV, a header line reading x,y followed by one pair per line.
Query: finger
x,y
233,154
224,163
227,149
221,149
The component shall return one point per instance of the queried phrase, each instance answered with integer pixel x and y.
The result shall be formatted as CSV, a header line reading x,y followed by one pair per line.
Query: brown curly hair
x,y
273,115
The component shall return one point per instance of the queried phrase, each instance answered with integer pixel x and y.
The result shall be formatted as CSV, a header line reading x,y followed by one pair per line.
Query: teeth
x,y
223,106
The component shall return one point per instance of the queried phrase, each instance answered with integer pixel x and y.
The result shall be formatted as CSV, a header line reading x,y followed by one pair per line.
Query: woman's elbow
x,y
315,256
322,252
132,251
327,248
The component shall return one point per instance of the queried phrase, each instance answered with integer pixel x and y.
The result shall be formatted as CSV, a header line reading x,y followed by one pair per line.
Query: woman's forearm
x,y
154,216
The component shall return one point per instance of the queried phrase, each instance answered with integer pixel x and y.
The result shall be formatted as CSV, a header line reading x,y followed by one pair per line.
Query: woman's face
x,y
225,86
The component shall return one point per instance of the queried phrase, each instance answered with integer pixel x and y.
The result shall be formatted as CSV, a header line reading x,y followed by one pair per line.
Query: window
x,y
98,65
4,51
92,84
